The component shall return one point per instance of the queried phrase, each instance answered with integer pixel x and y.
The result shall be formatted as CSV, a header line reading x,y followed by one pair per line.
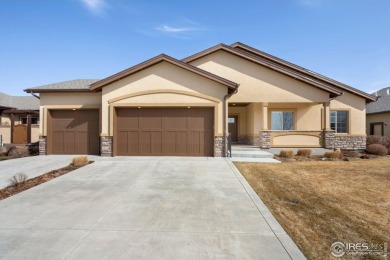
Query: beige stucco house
x,y
378,114
166,106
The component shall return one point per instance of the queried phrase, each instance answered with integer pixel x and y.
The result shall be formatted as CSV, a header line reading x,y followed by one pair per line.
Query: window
x,y
23,120
282,120
339,121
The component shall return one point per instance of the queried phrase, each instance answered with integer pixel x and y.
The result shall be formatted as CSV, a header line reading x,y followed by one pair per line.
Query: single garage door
x,y
73,132
164,131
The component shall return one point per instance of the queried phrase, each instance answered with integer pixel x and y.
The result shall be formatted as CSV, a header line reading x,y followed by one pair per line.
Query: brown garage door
x,y
164,131
73,132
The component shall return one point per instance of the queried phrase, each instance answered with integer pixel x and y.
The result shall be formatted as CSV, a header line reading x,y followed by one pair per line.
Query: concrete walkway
x,y
32,166
143,208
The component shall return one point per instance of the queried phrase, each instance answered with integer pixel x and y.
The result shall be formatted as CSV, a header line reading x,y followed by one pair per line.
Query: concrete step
x,y
258,160
252,154
245,148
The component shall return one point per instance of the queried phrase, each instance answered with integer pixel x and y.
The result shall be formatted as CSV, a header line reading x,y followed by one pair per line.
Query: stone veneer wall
x,y
265,139
219,146
333,141
42,145
106,146
248,139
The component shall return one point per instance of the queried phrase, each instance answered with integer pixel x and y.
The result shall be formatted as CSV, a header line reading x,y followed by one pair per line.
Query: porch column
x,y
28,128
265,134
326,116
12,117
264,108
329,136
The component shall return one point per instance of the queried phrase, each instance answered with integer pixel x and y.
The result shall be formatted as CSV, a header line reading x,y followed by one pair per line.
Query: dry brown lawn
x,y
321,202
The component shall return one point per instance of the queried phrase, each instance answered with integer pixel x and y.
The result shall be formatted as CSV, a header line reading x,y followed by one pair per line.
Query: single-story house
x,y
165,106
19,119
378,114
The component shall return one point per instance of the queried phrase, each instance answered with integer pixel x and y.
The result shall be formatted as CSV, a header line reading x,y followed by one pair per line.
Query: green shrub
x,y
80,161
334,155
304,152
286,153
377,149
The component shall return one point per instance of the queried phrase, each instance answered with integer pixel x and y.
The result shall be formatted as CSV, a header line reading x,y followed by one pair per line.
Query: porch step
x,y
245,148
252,154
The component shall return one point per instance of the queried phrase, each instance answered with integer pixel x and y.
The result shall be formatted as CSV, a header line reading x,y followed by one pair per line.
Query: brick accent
x,y
42,145
265,139
219,146
106,146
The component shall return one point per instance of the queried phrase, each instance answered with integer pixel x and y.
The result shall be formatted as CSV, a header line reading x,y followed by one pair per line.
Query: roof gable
x,y
232,86
260,54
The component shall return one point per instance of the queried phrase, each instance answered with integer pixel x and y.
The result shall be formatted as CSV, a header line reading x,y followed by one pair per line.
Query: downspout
x,y
225,114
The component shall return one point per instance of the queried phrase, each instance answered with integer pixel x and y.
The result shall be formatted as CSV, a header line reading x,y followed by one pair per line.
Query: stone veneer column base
x,y
329,138
42,145
265,139
106,146
350,142
220,149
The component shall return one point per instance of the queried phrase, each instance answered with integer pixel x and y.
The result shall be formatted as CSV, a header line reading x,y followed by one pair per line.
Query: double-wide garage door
x,y
73,132
164,131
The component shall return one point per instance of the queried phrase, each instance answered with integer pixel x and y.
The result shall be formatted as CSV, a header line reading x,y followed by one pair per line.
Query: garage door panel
x,y
58,141
73,132
165,131
69,143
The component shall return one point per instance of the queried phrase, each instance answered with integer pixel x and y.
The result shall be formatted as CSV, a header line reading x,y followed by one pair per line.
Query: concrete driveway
x,y
143,208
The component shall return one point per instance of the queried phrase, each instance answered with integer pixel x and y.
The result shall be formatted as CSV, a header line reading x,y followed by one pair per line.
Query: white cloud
x,y
171,29
95,6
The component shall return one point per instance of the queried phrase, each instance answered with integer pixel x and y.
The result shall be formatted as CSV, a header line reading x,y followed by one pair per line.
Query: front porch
x,y
275,125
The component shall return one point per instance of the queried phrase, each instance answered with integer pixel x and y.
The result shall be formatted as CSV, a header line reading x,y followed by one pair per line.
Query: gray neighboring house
x,y
378,114
19,119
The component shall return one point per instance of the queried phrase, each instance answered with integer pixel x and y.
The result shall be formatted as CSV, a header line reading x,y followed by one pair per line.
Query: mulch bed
x,y
347,156
12,190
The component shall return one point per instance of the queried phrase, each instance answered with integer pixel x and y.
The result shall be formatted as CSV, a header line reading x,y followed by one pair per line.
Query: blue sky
x,y
46,41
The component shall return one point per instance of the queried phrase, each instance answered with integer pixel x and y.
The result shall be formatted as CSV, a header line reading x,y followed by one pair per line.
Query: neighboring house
x,y
166,106
378,114
19,119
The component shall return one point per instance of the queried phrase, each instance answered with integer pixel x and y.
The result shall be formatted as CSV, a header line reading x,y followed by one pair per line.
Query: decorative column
x,y
265,134
329,134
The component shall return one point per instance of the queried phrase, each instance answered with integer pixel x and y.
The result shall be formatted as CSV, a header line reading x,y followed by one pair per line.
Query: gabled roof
x,y
382,104
19,102
77,85
250,50
283,67
163,58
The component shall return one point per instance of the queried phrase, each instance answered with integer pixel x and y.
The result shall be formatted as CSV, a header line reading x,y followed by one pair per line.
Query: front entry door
x,y
233,128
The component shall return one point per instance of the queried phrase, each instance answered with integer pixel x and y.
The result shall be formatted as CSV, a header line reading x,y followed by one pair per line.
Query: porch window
x,y
282,120
339,121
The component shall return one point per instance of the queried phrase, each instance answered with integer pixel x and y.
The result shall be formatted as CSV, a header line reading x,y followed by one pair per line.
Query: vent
x,y
388,91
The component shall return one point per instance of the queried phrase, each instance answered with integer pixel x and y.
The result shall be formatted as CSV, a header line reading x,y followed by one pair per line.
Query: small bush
x,y
378,139
304,152
334,155
377,149
17,179
80,161
13,151
286,153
